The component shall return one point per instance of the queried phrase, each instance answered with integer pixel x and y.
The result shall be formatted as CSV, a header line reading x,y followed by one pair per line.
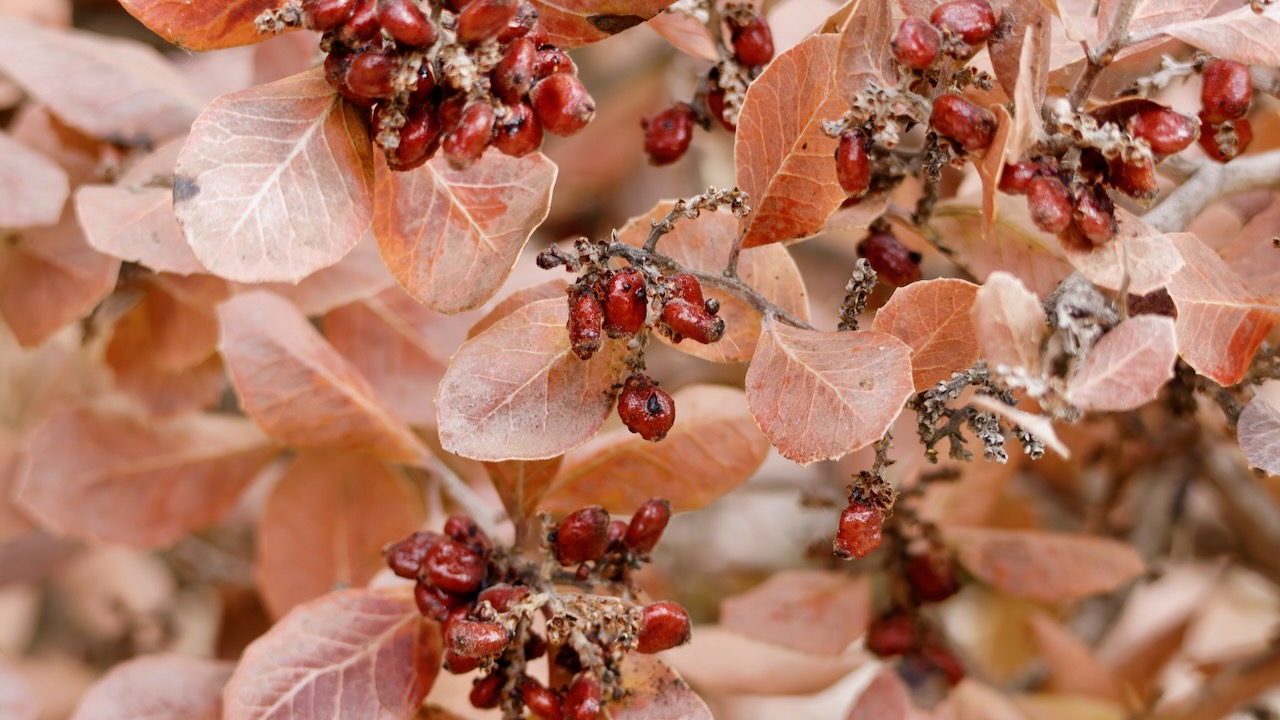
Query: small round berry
x,y
519,133
645,408
667,134
932,577
502,596
647,525
663,625
582,701
369,76
487,692
431,601
686,320
419,139
916,44
972,20
562,104
1050,204
626,304
860,531
362,26
1135,179
891,634
715,104
405,557
454,567
541,701
552,60
325,15
459,664
1166,131
890,258
513,77
586,318
1226,91
685,287
522,25
466,143
853,163
1236,136
405,22
1016,177
469,638
617,531
752,42
1094,217
467,531
483,20
582,536
972,127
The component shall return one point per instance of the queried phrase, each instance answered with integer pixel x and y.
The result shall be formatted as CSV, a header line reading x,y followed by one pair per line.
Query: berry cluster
x,y
487,599
1225,95
450,75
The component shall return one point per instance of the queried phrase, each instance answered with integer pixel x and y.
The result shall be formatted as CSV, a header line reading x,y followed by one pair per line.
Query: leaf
x,y
991,167
820,396
1011,246
113,477
17,700
33,186
516,392
1127,367
516,300
933,318
655,692
156,686
109,88
1239,35
1010,323
1019,50
686,33
1044,566
864,57
814,611
1148,253
1251,254
325,523
275,182
721,661
354,653
573,23
783,158
298,388
886,698
1259,434
173,325
450,238
1155,15
522,483
201,25
1221,320
1073,667
704,244
713,448
359,275
134,219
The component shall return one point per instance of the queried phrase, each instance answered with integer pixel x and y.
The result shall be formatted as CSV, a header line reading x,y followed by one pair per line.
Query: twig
x,y
1115,39
1210,182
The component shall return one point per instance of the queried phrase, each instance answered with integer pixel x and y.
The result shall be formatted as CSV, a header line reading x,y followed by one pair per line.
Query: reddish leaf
x,y
1239,35
359,275
713,448
1221,320
298,388
522,483
819,396
450,238
724,661
165,685
202,26
572,23
1148,254
1044,566
1259,434
1128,366
517,300
169,393
33,186
814,611
1252,255
686,33
886,698
1020,48
354,653
109,88
655,692
783,159
933,319
864,57
1011,246
110,476
172,326
325,524
1010,323
1074,669
275,182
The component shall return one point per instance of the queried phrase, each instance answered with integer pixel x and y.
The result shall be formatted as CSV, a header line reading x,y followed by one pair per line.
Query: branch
x,y
1115,39
1210,182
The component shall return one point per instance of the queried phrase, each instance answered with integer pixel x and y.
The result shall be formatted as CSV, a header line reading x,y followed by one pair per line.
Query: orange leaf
x,y
814,611
325,523
713,448
516,392
991,166
275,182
820,396
1010,323
522,483
450,238
655,692
1140,255
1127,367
359,275
1011,246
516,300
1073,667
354,653
686,33
196,25
933,319
298,388
152,685
35,188
1240,35
1044,566
783,159
864,56
173,325
573,23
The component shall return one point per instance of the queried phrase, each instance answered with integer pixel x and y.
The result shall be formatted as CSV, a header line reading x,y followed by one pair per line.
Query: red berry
x,y
972,127
1242,131
369,75
943,660
454,567
487,692
467,531
582,701
426,82
1050,204
502,596
685,287
540,700
932,577
1094,217
586,317
1157,302
916,44
459,664
646,408
617,531
1166,131
1136,180
469,638
519,133
626,304
419,139
325,15
535,647
457,5
715,102
521,25
513,77
362,26
582,536
1016,177
647,525
551,61
663,625
752,42
465,143
562,104
972,20
483,20
890,258
853,163
433,602
1226,92
891,634
405,22
667,134
859,533
405,557
686,320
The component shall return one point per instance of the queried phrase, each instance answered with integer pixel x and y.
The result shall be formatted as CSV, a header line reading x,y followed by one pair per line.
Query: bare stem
x,y
1114,40
1210,182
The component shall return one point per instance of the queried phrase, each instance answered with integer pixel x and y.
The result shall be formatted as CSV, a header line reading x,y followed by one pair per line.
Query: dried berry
x,y
483,20
663,625
582,536
503,596
541,701
454,567
405,22
369,75
465,143
469,638
1135,179
523,24
586,318
972,20
932,577
647,525
519,133
667,134
562,104
1226,91
890,258
513,77
1050,204
891,634
467,531
752,42
487,692
1094,217
582,701
325,15
1166,131
860,530
686,320
433,602
646,408
405,557
916,44
972,127
626,304
1016,177
1238,134
853,163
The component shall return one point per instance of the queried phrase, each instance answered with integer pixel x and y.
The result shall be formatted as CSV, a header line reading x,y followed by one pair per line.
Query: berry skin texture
x,y
626,304
667,134
752,42
540,700
475,639
519,133
586,319
454,567
853,164
891,259
362,26
467,531
1137,180
458,664
972,127
686,320
325,15
684,286
1166,131
1016,177
1050,204
582,536
663,625
483,20
487,692
503,596
972,20
647,525
932,578
562,104
419,139
916,44
405,557
1094,219
582,701
860,531
1209,140
405,22
433,602
891,634
550,61
465,144
369,76
1226,91
513,77
646,409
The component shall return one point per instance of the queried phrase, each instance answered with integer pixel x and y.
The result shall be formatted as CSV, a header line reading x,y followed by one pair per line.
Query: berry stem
x,y
1116,38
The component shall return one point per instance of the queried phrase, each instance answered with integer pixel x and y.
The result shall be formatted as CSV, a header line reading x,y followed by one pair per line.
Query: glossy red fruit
x,y
586,318
467,531
686,320
502,596
663,625
454,567
541,701
972,127
667,134
1209,140
425,83
370,75
458,664
1050,204
1166,131
645,408
1226,91
582,536
891,634
514,75
617,531
916,43
406,23
853,163
860,531
419,139
521,25
932,577
1094,218
487,692
972,20
685,287
1016,177
362,26
752,42
466,142
551,60
433,602
944,661
1136,179
519,133
483,20
890,258
562,104
469,638
647,525
626,304
582,701
405,557
325,15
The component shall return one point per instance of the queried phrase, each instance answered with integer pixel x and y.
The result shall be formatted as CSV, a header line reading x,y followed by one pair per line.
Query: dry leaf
x,y
158,686
33,186
1009,322
813,611
991,166
686,33
1149,255
1019,50
199,25
864,57
933,318
1073,667
1045,566
516,300
1239,35
522,483
655,692
886,698
573,23
172,326
1252,255
721,661
1259,434
1012,245
1127,367
359,275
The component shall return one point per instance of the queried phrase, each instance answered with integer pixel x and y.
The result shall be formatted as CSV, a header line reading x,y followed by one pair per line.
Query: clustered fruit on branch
x,y
450,75
488,599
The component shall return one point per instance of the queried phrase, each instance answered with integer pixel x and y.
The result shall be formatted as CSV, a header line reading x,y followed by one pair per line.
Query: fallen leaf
x,y
202,26
162,685
1240,35
1045,566
1009,322
1011,246
655,692
864,56
522,483
1140,256
34,187
814,611
573,23
1127,367
933,318
1259,433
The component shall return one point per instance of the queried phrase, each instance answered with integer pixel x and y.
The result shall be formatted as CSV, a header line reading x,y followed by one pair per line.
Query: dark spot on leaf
x,y
804,146
184,188
614,24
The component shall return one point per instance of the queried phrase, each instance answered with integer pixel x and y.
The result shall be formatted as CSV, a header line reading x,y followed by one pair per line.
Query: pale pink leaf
x,y
858,217
1045,566
1012,246
685,32
814,611
516,392
1155,15
1040,426
359,275
516,300
722,661
573,23
820,395
783,159
991,166
1127,367
54,13
1010,323
933,318
1140,255
202,25
114,477
275,182
18,700
349,654
1252,254
298,388
451,238
1259,434
33,186
864,56
886,698
1240,35
158,686
655,692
